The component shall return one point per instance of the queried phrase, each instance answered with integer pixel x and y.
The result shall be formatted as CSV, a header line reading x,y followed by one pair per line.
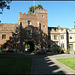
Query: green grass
x,y
15,65
70,62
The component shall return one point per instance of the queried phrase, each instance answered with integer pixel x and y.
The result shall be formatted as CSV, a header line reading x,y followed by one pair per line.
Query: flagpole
x,y
34,5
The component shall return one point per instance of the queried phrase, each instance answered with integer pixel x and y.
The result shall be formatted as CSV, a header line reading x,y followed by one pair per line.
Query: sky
x,y
60,13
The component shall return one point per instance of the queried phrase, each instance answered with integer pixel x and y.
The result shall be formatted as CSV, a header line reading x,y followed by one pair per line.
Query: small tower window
x,y
28,22
42,16
29,32
43,26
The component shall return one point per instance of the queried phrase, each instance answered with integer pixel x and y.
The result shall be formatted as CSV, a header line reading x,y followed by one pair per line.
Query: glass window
x,y
62,36
42,16
55,37
44,35
3,36
29,32
15,36
43,26
28,22
70,37
62,45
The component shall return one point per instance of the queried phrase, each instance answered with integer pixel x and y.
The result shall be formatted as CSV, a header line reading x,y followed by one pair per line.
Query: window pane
x,y
62,36
3,36
29,32
44,35
28,22
43,26
55,37
70,37
15,36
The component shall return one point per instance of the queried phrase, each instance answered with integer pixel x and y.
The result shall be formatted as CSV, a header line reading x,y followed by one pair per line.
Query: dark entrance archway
x,y
30,46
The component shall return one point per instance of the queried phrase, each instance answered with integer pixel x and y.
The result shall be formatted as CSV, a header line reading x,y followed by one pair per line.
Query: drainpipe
x,y
20,31
40,35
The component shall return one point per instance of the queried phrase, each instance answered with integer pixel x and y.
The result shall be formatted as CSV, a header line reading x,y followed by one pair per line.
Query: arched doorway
x,y
29,46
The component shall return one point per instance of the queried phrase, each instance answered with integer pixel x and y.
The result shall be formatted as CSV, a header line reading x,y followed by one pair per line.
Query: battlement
x,y
36,11
24,14
41,11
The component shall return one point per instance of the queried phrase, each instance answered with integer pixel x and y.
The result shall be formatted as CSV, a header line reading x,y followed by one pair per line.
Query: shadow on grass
x,y
15,65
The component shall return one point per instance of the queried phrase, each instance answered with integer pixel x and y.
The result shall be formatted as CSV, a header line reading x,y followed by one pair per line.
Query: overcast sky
x,y
60,13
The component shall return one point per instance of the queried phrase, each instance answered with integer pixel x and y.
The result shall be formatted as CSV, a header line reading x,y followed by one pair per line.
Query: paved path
x,y
49,65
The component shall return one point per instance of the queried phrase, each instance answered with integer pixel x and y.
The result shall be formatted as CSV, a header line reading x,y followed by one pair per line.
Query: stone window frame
x,y
55,37
70,37
15,36
28,33
44,34
42,16
29,22
3,36
62,36
44,26
62,45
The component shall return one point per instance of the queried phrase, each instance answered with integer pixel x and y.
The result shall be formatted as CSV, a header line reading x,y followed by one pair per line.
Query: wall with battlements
x,y
40,16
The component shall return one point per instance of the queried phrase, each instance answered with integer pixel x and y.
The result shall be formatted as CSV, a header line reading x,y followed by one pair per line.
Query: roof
x,y
8,25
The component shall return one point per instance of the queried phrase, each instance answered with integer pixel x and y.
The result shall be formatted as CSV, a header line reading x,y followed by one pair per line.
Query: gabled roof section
x,y
8,25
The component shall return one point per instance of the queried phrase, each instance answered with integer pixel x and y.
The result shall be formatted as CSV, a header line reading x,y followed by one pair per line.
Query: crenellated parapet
x,y
41,11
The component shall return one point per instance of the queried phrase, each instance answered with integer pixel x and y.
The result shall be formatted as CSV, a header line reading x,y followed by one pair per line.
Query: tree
x,y
32,8
4,4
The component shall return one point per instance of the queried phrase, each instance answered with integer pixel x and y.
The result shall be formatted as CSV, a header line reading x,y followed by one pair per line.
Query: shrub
x,y
68,51
49,50
10,51
62,51
56,49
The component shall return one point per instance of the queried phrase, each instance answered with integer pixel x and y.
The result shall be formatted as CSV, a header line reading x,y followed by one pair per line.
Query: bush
x,y
68,51
10,51
56,49
62,51
3,50
49,50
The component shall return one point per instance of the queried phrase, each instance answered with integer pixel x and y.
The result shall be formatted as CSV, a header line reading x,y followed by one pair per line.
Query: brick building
x,y
31,29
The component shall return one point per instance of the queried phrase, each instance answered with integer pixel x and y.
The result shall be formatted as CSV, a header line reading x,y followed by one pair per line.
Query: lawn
x,y
70,62
15,65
